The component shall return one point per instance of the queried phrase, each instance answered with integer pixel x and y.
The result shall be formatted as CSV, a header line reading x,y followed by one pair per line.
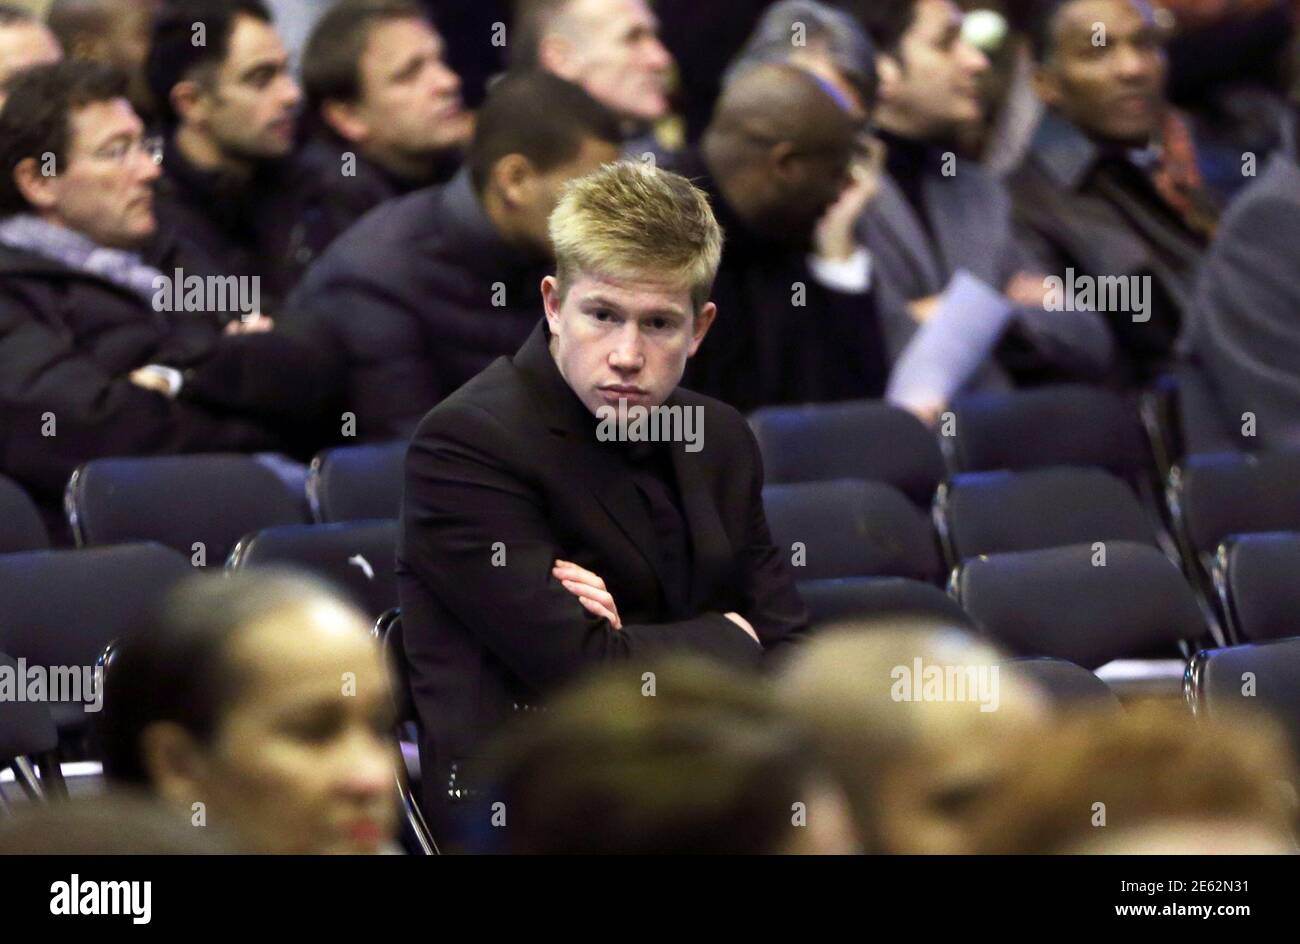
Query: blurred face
x,y
248,110
410,100
303,761
625,339
105,187
24,45
931,87
1107,71
613,51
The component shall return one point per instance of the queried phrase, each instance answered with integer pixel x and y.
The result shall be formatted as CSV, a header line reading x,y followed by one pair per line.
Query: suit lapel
x,y
897,215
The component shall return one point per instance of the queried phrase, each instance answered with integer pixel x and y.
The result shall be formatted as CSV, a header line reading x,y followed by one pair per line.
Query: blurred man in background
x,y
609,47
229,108
114,32
384,109
24,42
426,291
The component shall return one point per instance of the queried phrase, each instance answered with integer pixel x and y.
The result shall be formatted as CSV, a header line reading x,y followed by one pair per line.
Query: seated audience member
x,y
263,698
937,215
426,291
609,47
228,107
114,32
708,765
916,757
1088,205
798,321
1244,324
1152,780
24,42
94,360
540,536
385,111
115,824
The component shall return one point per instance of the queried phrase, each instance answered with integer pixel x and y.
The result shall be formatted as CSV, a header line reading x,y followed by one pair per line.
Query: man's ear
x,y
551,302
185,98
703,321
37,188
1047,86
889,72
782,159
174,762
555,54
342,117
514,177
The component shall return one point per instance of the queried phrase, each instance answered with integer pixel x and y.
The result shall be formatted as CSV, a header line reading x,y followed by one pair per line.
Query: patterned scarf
x,y
29,233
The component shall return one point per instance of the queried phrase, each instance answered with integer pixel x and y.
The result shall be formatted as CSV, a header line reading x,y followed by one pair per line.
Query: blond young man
x,y
573,506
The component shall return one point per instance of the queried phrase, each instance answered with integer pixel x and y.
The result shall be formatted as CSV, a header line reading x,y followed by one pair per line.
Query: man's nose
x,y
974,60
1132,63
657,54
291,93
627,354
366,768
445,80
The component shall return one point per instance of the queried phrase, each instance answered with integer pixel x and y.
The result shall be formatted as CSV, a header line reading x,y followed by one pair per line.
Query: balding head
x,y
779,146
114,32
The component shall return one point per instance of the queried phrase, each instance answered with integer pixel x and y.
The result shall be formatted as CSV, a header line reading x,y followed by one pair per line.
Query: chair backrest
x,y
1048,426
865,597
850,528
356,556
388,630
1184,416
26,726
1253,677
211,500
61,608
994,512
1064,602
1218,495
1066,684
353,483
21,527
1255,576
860,439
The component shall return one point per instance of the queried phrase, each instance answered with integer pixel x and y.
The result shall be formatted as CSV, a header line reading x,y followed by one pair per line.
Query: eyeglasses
x,y
121,152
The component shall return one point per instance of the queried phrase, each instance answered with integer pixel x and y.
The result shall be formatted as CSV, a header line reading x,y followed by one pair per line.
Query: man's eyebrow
x,y
124,133
278,63
604,302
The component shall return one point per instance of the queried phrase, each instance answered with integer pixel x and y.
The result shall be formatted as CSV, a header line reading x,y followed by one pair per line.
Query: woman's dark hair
x,y
178,667
703,763
36,118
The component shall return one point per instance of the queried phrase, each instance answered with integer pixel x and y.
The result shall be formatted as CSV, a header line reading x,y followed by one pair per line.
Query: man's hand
x,y
256,323
835,237
743,624
153,378
589,589
1027,289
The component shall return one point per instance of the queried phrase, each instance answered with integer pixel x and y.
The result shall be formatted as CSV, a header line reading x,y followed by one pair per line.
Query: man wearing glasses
x,y
94,360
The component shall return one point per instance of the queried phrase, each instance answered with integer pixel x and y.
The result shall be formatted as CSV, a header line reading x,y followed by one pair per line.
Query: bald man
x,y
114,32
24,42
796,316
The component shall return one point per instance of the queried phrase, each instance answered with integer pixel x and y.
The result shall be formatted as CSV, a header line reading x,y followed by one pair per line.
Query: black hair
x,y
35,120
886,21
331,59
540,116
174,52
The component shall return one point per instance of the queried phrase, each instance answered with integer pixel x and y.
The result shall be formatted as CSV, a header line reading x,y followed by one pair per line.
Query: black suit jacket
x,y
504,477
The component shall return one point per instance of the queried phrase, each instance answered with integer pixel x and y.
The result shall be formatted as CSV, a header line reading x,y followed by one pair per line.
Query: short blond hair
x,y
631,219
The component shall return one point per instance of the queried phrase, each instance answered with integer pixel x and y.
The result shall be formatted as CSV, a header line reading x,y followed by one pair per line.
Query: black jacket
x,y
240,228
781,337
406,304
1080,206
327,201
509,467
68,341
